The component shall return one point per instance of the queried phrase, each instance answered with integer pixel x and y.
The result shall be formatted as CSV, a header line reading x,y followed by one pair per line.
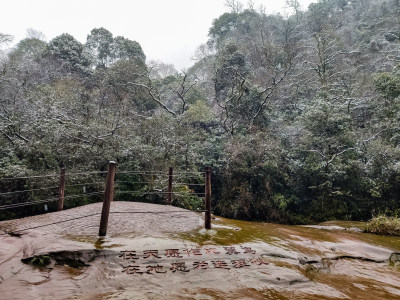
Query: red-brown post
x,y
207,217
170,175
108,197
61,190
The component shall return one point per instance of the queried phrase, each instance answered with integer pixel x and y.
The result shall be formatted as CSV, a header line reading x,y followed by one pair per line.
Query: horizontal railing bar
x,y
26,191
82,184
47,200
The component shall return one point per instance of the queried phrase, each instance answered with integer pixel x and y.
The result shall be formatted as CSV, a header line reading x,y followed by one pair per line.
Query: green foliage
x,y
126,49
222,26
383,225
69,51
99,41
388,84
185,198
40,260
30,47
106,49
199,112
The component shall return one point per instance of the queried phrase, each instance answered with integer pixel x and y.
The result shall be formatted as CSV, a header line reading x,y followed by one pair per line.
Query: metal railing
x,y
137,185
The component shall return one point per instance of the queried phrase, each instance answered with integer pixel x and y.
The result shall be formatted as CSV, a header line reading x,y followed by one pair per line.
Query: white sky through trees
x,y
167,30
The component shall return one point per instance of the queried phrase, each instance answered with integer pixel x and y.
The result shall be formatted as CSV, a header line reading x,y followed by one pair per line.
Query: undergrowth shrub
x,y
384,225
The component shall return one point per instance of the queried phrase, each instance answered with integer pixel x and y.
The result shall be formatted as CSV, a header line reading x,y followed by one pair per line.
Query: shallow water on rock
x,y
171,257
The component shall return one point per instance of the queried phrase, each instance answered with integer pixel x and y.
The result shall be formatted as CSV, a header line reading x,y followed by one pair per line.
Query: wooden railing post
x,y
170,175
61,190
207,217
108,197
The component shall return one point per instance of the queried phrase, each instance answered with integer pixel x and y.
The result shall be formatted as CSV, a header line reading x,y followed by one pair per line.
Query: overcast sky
x,y
167,30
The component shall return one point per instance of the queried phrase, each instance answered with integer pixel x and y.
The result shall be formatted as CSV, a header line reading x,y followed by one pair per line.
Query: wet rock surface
x,y
171,257
395,258
124,217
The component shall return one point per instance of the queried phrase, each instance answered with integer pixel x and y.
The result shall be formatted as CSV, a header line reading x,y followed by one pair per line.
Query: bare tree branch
x,y
155,97
319,152
184,90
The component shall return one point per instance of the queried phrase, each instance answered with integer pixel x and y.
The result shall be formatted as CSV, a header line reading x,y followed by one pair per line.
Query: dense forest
x,y
298,115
